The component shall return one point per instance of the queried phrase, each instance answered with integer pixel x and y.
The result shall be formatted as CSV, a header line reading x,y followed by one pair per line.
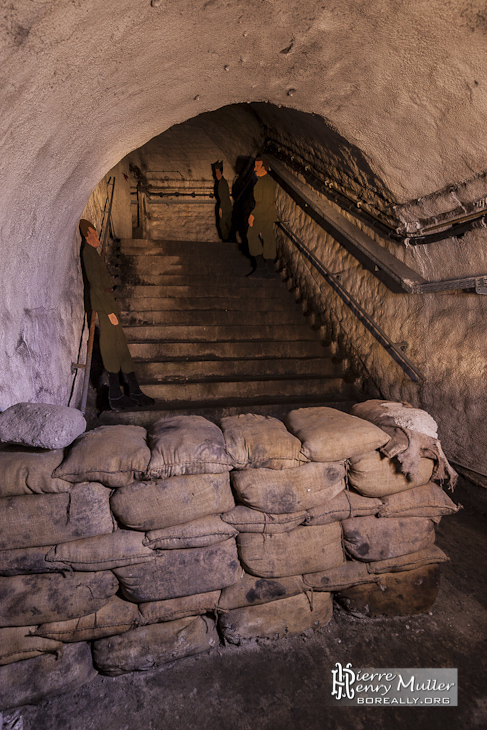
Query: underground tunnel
x,y
369,121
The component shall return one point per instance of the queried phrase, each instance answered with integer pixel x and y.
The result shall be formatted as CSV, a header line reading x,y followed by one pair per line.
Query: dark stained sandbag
x,y
331,435
286,617
155,612
255,441
427,501
344,505
43,519
374,475
23,561
103,552
245,519
303,550
351,573
112,455
115,617
178,573
186,445
252,591
372,538
428,556
199,533
17,644
29,471
288,490
174,501
36,679
151,646
397,594
29,599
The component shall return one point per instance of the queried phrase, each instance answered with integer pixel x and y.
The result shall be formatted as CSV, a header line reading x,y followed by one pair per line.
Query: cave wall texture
x,y
396,101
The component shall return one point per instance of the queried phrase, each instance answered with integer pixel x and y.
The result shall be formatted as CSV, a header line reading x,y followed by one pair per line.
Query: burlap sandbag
x,y
252,591
112,455
116,617
245,519
374,475
371,538
199,533
29,471
427,501
186,445
155,612
344,505
103,552
26,599
178,573
151,646
34,680
43,519
17,644
287,617
174,501
23,561
351,573
331,435
255,441
304,550
428,556
397,594
288,490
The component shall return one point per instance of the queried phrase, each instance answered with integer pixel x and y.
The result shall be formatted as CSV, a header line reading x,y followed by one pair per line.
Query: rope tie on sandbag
x,y
310,595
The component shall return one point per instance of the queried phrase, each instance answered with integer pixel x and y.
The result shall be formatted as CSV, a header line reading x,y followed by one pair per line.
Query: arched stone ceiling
x,y
85,82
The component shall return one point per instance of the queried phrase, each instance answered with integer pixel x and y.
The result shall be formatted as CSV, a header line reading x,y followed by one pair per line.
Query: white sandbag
x,y
199,533
351,573
112,455
427,501
155,612
255,441
431,555
288,490
344,505
245,519
103,552
287,617
303,550
22,561
186,445
331,435
17,644
43,519
29,471
374,475
372,538
251,590
151,646
167,502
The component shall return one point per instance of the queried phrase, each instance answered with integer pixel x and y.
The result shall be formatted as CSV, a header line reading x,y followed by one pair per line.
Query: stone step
x,y
159,262
208,317
248,391
148,246
150,416
216,333
257,288
149,351
259,369
208,282
234,304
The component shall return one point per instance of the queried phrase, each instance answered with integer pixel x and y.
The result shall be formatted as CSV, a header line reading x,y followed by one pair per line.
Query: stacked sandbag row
x,y
311,503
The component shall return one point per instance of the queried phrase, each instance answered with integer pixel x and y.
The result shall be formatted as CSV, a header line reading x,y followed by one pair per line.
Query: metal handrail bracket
x,y
393,349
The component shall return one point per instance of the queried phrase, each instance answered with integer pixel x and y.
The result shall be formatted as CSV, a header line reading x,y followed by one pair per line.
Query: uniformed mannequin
x,y
113,344
262,219
224,204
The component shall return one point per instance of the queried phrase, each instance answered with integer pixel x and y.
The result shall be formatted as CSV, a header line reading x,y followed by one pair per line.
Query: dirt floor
x,y
286,684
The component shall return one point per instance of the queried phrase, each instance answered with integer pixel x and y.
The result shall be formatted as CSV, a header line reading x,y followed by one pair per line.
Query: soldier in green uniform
x,y
113,344
224,204
262,219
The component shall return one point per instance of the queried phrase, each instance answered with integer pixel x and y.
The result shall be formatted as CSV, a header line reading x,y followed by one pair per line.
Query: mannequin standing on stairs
x,y
113,344
262,219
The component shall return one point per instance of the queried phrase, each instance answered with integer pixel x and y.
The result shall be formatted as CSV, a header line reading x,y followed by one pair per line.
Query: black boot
x,y
270,268
117,400
259,270
135,392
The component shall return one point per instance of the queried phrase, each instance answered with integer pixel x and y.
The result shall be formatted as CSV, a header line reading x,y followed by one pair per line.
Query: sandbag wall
x,y
132,548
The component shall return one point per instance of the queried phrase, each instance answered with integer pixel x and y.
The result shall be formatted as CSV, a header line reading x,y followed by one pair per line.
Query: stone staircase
x,y
208,340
